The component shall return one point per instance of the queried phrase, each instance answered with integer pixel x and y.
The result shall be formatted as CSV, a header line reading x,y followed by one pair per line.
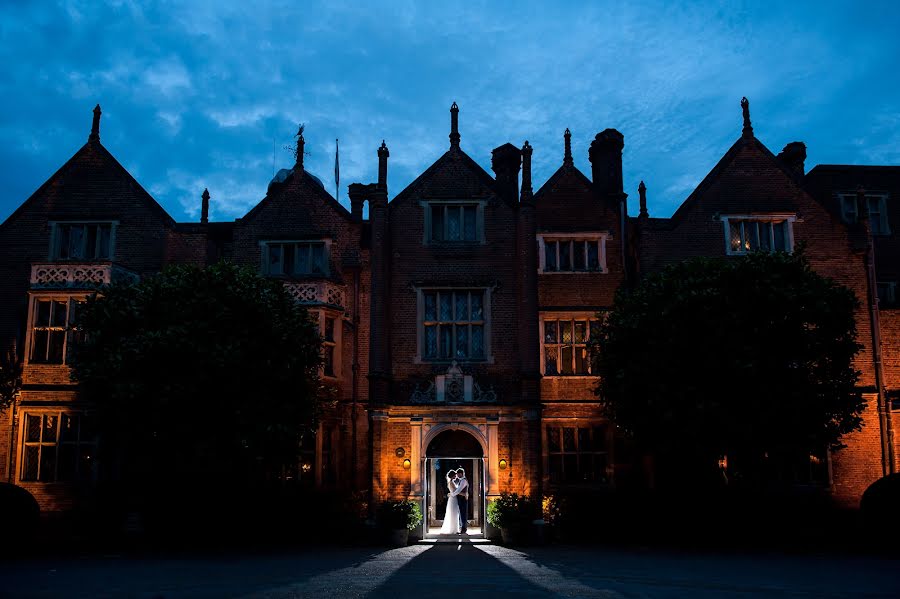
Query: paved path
x,y
438,570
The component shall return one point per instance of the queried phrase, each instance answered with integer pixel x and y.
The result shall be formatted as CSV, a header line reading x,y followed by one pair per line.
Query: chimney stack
x,y
793,156
454,127
383,154
526,172
204,209
358,195
605,155
95,125
505,162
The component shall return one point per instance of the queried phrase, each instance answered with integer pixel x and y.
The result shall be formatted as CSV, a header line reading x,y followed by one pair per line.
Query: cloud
x,y
199,94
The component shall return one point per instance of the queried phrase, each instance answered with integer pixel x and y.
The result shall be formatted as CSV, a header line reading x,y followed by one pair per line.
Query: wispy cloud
x,y
207,94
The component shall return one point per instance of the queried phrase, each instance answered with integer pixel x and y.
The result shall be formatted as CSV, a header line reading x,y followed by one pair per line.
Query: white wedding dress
x,y
451,514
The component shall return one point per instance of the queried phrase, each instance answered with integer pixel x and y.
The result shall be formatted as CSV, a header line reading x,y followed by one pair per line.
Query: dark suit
x,y
463,499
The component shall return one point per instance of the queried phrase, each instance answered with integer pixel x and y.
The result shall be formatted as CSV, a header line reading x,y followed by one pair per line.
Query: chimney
x,y
567,154
299,150
526,172
605,155
505,162
358,195
793,156
454,127
204,208
642,192
95,125
382,164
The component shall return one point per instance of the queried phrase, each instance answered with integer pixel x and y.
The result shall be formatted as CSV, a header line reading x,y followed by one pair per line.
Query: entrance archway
x,y
450,449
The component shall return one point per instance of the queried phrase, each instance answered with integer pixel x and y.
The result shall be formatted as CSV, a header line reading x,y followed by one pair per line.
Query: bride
x,y
451,515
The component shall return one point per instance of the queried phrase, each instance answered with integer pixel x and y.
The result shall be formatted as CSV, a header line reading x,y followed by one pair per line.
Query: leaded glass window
x,y
453,324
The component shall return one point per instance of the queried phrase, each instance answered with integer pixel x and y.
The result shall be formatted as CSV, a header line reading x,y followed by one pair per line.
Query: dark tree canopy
x,y
747,357
198,374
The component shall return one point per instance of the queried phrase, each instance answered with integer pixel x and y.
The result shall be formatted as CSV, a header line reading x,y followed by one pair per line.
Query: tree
x,y
199,377
749,358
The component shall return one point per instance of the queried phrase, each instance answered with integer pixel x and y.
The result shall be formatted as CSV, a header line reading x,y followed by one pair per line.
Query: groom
x,y
462,498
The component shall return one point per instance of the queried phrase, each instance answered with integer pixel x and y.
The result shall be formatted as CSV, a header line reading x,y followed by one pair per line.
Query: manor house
x,y
456,315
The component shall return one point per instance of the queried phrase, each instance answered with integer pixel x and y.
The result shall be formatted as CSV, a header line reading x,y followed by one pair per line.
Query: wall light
x,y
503,464
407,464
306,466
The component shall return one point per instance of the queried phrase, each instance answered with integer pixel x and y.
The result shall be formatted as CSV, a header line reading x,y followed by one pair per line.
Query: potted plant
x,y
400,517
512,514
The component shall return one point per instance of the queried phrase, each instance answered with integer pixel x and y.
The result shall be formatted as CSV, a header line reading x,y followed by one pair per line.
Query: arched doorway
x,y
450,449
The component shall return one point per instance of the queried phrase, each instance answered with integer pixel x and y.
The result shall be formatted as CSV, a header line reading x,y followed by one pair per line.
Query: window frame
x,y
588,318
599,237
888,300
264,257
55,239
427,206
574,424
321,317
420,358
68,329
55,445
849,200
789,218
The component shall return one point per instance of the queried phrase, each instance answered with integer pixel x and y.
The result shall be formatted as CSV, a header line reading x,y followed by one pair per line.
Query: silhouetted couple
x,y
457,513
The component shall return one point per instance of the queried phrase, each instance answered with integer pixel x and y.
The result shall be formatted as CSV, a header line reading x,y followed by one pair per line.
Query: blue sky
x,y
197,95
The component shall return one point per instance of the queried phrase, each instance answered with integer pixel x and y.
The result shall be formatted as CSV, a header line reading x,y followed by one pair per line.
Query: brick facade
x,y
504,376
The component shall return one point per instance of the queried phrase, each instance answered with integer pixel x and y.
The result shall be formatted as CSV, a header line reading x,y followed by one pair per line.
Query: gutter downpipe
x,y
884,411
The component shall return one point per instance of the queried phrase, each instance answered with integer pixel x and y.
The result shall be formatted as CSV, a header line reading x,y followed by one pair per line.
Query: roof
x,y
105,155
450,158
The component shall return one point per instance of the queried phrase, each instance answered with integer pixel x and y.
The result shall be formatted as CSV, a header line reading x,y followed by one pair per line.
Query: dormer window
x,y
453,222
86,241
295,258
571,253
758,233
877,205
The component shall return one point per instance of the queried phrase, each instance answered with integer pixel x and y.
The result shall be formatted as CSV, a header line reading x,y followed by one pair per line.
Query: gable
x,y
566,202
453,175
297,201
92,184
747,178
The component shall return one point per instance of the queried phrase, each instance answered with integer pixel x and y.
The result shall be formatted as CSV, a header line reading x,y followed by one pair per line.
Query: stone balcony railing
x,y
318,293
77,275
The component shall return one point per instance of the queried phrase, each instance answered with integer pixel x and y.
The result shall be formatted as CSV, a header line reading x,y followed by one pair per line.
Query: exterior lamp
x,y
723,462
503,464
407,464
306,466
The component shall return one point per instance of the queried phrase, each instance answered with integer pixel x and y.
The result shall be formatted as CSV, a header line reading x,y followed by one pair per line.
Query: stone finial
x,y
300,145
567,155
95,125
204,207
642,192
383,154
454,126
526,171
745,108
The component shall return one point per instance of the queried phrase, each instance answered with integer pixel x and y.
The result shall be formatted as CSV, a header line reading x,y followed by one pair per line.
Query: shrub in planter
x,y
879,505
21,512
513,514
400,517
